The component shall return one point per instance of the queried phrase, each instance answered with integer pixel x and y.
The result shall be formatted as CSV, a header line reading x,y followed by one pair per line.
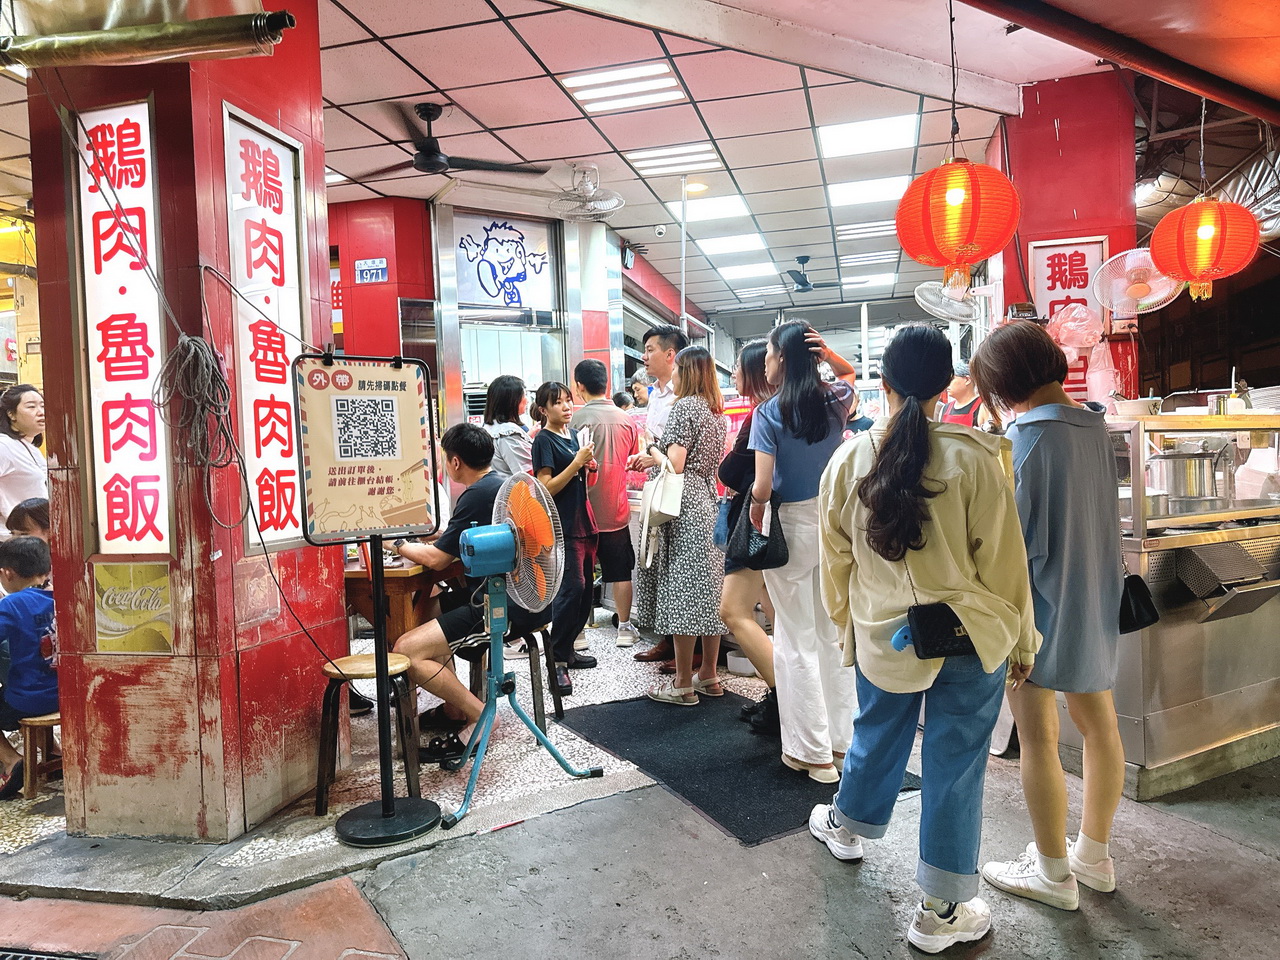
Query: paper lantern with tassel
x,y
956,215
1205,241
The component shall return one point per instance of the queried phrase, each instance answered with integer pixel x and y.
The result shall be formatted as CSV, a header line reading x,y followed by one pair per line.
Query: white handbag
x,y
659,504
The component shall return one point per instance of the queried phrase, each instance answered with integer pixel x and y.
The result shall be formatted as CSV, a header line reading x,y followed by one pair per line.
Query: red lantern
x,y
957,214
1204,241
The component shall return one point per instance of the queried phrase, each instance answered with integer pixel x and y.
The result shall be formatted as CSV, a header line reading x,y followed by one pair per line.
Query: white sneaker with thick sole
x,y
931,933
581,642
1022,878
1100,876
627,635
843,843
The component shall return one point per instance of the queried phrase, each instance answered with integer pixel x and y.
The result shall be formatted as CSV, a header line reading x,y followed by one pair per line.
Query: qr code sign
x,y
366,428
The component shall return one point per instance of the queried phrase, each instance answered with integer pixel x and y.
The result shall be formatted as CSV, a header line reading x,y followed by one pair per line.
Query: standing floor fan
x,y
521,556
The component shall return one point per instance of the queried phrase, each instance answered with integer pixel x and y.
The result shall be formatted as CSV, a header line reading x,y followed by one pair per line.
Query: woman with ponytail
x,y
793,435
917,512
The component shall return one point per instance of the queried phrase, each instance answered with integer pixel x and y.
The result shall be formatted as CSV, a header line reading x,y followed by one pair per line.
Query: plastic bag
x,y
1075,328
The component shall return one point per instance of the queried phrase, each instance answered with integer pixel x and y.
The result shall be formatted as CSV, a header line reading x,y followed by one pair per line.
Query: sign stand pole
x,y
382,823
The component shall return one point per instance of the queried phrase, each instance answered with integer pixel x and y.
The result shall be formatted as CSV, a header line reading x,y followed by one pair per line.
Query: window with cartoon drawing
x,y
504,264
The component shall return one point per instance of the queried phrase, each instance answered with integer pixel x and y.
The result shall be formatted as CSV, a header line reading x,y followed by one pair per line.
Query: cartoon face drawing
x,y
502,261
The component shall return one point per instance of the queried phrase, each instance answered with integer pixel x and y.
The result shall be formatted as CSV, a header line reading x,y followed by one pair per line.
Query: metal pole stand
x,y
498,681
382,823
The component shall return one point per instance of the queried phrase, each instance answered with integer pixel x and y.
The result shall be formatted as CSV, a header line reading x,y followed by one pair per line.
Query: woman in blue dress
x,y
1064,469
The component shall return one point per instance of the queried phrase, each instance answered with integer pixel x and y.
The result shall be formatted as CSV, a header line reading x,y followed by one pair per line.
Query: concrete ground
x,y
641,874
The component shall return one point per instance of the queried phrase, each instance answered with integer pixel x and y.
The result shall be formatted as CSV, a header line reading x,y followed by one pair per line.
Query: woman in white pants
x,y
793,435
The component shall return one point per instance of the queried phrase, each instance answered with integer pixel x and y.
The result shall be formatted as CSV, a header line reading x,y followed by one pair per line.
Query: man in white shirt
x,y
661,344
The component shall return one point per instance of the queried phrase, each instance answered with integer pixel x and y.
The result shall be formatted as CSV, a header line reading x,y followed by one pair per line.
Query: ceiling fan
x,y
801,279
428,157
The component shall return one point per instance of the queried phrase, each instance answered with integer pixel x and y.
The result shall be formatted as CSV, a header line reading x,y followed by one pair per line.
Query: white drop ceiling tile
x,y
764,113
864,212
544,141
935,127
478,146
341,132
779,201
933,155
641,214
17,167
785,254
384,117
387,18
449,57
869,245
820,78
728,73
346,192
719,184
337,27
870,166
794,220
355,164
613,169
366,71
706,286
13,146
422,187
780,239
682,45
516,103
13,120
805,173
696,276
12,89
516,8
860,101
658,249
632,191
768,148
657,127
569,41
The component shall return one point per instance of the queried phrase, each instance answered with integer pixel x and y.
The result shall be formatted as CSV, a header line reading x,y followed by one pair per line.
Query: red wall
x,y
652,282
398,229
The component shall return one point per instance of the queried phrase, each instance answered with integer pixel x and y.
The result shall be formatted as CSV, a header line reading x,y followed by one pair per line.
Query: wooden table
x,y
403,585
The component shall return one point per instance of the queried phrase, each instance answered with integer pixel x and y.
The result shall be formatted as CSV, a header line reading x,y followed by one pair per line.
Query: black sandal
x,y
437,719
441,749
11,785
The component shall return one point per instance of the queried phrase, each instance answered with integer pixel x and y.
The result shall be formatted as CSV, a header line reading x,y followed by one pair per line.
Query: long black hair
x,y
802,397
755,385
917,366
502,401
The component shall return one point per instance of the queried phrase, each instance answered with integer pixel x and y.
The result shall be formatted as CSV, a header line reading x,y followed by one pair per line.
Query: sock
x,y
1088,850
943,908
624,623
1056,869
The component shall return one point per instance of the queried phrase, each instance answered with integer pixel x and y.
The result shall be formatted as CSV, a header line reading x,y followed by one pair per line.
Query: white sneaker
x,y
931,933
581,643
1022,878
1100,876
627,635
843,843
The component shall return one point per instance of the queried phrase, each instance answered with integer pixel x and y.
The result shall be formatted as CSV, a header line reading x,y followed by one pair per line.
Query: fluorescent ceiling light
x,y
616,76
669,151
867,191
865,231
773,291
674,161
747,270
858,259
679,168
333,176
1143,191
735,244
18,70
711,208
870,280
869,136
16,227
644,99
621,89
696,187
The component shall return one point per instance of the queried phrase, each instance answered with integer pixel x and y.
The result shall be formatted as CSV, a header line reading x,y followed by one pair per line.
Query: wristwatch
x,y
399,542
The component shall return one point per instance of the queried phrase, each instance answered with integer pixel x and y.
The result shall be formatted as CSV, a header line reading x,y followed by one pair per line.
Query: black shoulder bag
x,y
751,548
1137,607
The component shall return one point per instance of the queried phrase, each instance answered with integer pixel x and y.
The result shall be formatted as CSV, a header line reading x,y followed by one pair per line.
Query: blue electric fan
x,y
521,556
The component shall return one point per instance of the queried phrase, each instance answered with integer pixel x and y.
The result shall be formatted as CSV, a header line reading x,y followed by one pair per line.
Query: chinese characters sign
x,y
366,447
123,329
262,199
1062,273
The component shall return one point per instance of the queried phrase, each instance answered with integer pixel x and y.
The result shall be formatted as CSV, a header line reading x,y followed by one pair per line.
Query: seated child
x,y
27,636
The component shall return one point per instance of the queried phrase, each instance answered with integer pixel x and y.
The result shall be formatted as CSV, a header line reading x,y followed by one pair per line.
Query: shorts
x,y
9,717
460,619
616,555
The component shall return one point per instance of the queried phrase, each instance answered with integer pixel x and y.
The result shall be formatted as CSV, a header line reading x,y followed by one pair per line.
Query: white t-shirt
x,y
24,473
661,400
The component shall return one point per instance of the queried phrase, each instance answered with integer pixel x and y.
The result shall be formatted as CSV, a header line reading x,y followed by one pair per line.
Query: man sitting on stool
x,y
468,452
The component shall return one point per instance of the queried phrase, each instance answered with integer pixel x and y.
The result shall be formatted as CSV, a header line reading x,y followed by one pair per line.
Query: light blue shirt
x,y
1065,475
797,464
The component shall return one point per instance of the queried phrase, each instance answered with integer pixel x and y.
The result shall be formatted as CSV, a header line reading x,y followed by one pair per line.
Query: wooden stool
x,y
362,667
37,740
480,672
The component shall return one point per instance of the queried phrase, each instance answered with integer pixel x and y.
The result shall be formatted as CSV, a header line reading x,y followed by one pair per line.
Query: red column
x,y
209,739
1071,156
398,230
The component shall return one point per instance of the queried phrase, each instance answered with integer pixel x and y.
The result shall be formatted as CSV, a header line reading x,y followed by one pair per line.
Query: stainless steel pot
x,y
1184,474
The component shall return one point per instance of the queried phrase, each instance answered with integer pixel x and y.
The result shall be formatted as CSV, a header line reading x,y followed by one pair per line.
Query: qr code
x,y
366,428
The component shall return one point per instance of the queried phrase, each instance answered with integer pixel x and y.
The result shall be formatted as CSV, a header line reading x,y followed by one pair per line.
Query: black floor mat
x,y
711,759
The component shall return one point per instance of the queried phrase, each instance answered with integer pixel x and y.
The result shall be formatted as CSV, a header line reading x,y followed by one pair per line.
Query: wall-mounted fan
x,y
586,201
936,300
1129,284
801,279
429,158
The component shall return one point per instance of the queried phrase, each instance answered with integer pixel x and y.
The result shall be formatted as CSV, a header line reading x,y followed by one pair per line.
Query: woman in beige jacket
x,y
916,512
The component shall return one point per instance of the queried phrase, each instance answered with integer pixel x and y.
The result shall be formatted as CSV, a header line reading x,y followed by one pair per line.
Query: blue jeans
x,y
960,712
